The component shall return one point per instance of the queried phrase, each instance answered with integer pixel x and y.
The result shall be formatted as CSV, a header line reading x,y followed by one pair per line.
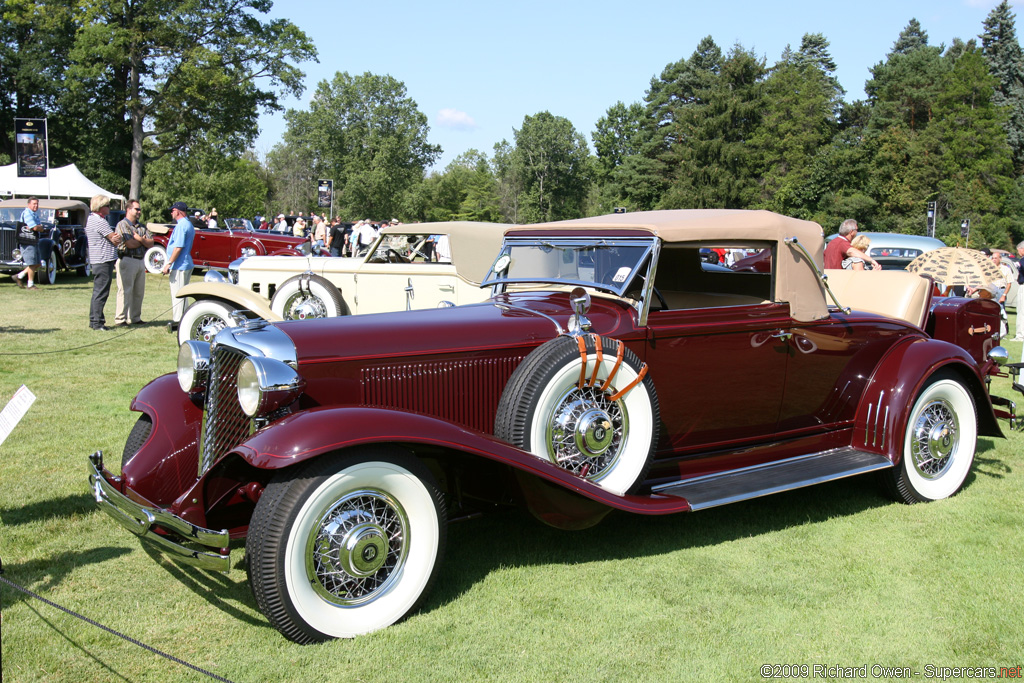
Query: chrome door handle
x,y
783,335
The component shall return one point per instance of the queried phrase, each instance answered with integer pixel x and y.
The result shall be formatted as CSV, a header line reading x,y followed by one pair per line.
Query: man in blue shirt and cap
x,y
179,260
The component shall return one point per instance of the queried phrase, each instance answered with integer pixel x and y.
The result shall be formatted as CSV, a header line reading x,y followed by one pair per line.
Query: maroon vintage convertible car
x,y
636,378
217,248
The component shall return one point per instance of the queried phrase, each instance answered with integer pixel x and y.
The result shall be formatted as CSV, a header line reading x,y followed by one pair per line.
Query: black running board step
x,y
761,480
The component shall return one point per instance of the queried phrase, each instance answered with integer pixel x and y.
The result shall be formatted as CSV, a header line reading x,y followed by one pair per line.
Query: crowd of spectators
x,y
338,237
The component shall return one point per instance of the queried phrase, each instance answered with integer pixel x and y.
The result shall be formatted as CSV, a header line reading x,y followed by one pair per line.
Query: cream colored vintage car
x,y
424,265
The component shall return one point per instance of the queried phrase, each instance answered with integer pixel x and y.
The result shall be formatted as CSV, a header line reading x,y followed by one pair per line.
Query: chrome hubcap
x,y
301,307
935,439
586,432
358,549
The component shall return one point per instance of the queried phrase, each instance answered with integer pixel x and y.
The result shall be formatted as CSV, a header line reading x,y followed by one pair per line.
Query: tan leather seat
x,y
892,293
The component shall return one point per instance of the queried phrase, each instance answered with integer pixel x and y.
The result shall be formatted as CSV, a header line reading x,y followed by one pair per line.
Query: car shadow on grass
x,y
513,538
223,591
68,506
987,465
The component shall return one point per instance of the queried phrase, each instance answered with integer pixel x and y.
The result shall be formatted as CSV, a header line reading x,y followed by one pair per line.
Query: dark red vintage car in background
x,y
219,247
611,370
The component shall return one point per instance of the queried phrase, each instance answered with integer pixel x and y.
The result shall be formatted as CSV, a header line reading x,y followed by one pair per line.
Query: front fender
x,y
300,437
885,405
168,462
232,295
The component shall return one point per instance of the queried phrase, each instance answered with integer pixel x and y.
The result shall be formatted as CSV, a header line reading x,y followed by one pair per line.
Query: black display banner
x,y
325,193
30,147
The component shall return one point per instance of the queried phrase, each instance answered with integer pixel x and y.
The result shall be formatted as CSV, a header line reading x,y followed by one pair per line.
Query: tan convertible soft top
x,y
474,244
55,204
796,281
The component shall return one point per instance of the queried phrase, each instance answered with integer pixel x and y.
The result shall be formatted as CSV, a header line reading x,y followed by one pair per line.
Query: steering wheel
x,y
394,256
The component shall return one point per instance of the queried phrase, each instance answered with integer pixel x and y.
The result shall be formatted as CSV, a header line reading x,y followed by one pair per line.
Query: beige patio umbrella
x,y
956,266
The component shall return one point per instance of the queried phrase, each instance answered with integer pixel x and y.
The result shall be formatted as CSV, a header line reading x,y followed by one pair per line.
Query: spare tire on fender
x,y
587,405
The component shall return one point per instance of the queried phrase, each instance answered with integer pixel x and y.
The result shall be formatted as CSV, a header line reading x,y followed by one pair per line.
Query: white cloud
x,y
455,119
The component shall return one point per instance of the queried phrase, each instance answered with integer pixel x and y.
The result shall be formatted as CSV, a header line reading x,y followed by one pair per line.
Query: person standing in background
x,y
102,258
28,241
131,271
179,260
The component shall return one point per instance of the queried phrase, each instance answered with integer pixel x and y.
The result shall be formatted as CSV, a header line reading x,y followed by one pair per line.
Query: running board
x,y
761,480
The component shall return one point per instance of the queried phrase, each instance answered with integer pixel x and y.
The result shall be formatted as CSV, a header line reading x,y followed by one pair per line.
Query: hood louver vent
x,y
465,392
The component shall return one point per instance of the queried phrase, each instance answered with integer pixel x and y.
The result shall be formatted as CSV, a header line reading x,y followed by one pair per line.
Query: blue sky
x,y
475,69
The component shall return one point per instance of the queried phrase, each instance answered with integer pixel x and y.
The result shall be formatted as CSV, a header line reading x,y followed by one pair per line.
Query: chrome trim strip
x,y
140,520
885,427
867,422
645,305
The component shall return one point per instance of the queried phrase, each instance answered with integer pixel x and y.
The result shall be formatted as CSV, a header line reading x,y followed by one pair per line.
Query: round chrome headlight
x,y
265,385
193,366
214,276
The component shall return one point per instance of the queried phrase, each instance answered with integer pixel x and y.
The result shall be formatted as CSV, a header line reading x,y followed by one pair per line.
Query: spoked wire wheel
x,y
587,405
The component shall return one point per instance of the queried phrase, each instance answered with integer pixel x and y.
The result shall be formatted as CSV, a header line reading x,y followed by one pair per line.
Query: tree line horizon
x,y
161,100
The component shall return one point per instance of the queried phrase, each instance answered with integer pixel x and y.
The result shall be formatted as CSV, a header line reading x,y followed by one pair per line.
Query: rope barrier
x,y
132,328
109,630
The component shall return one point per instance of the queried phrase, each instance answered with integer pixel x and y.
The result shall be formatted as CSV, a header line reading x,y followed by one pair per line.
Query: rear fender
x,y
300,437
885,405
232,295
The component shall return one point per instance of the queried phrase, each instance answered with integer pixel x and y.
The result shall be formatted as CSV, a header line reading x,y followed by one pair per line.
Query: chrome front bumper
x,y
142,521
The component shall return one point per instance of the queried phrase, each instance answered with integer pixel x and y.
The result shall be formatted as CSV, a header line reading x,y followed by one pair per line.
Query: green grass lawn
x,y
834,575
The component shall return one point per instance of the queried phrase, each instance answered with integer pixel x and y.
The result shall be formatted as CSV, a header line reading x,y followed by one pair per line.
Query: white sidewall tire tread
x,y
950,481
201,309
150,257
424,541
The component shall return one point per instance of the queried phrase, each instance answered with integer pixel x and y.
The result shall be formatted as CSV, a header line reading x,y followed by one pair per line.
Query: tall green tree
x,y
902,89
800,116
208,176
369,136
169,72
619,139
710,161
1006,62
465,191
970,164
34,48
553,166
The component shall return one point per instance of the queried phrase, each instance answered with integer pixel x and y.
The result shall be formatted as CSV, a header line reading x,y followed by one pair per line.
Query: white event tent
x,y
66,181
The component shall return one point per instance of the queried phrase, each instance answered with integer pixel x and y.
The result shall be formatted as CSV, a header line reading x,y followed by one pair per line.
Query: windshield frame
x,y
647,244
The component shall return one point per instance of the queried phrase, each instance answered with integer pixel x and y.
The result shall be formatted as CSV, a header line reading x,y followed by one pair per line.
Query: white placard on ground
x,y
14,411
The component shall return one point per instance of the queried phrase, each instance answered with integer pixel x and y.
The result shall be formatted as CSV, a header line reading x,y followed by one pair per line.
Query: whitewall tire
x,y
939,445
155,258
543,410
307,296
346,545
203,319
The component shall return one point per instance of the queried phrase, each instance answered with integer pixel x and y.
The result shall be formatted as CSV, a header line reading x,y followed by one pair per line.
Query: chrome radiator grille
x,y
8,241
226,425
465,392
